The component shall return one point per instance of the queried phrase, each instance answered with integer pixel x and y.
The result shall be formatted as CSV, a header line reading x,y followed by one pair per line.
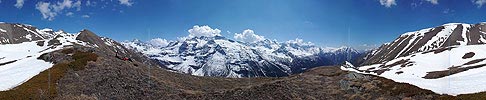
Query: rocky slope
x,y
18,33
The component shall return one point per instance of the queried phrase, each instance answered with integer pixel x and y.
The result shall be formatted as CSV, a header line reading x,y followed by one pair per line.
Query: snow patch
x,y
26,64
470,81
28,36
2,30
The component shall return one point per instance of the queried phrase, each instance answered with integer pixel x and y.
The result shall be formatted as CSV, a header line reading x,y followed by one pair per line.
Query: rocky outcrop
x,y
18,33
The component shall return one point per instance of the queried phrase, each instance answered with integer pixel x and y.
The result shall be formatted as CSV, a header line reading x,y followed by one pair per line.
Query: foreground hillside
x,y
92,67
107,77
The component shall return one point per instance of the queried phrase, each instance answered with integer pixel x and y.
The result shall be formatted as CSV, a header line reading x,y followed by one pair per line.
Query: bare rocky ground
x,y
112,78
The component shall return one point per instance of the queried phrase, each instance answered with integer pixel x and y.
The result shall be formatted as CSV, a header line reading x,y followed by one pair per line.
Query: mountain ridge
x,y
428,39
251,59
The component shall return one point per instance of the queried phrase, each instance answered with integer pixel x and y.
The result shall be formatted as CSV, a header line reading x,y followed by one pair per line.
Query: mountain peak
x,y
449,24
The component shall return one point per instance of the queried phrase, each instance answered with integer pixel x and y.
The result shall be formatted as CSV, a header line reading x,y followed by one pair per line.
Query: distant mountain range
x,y
223,57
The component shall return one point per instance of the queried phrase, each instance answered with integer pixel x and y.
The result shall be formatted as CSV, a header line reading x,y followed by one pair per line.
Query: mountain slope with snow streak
x,y
450,61
447,72
427,39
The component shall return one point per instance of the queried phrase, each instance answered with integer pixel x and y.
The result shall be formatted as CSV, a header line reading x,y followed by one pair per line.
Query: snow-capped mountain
x,y
428,39
223,57
21,47
448,59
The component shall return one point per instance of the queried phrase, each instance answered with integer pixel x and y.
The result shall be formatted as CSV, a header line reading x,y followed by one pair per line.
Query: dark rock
x,y
40,43
468,55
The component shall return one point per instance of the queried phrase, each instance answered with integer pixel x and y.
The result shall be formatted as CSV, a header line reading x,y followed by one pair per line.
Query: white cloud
x,y
448,11
77,5
126,2
85,16
69,14
88,3
43,7
388,3
67,4
366,47
159,42
248,36
49,11
299,42
433,1
206,31
19,4
479,2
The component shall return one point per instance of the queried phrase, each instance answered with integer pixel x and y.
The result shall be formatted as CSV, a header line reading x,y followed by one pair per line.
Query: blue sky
x,y
323,22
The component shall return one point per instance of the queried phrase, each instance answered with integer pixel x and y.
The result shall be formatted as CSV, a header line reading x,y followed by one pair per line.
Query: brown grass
x,y
475,96
407,90
44,85
450,71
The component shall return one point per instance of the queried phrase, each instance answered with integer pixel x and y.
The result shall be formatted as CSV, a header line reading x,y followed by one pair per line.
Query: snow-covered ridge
x,y
19,59
421,32
418,69
428,39
447,59
2,30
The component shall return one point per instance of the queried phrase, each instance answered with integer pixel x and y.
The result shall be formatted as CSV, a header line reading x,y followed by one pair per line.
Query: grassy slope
x,y
474,96
43,85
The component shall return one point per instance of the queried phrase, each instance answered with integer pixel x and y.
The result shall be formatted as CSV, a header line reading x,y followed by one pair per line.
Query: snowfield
x,y
19,63
413,68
